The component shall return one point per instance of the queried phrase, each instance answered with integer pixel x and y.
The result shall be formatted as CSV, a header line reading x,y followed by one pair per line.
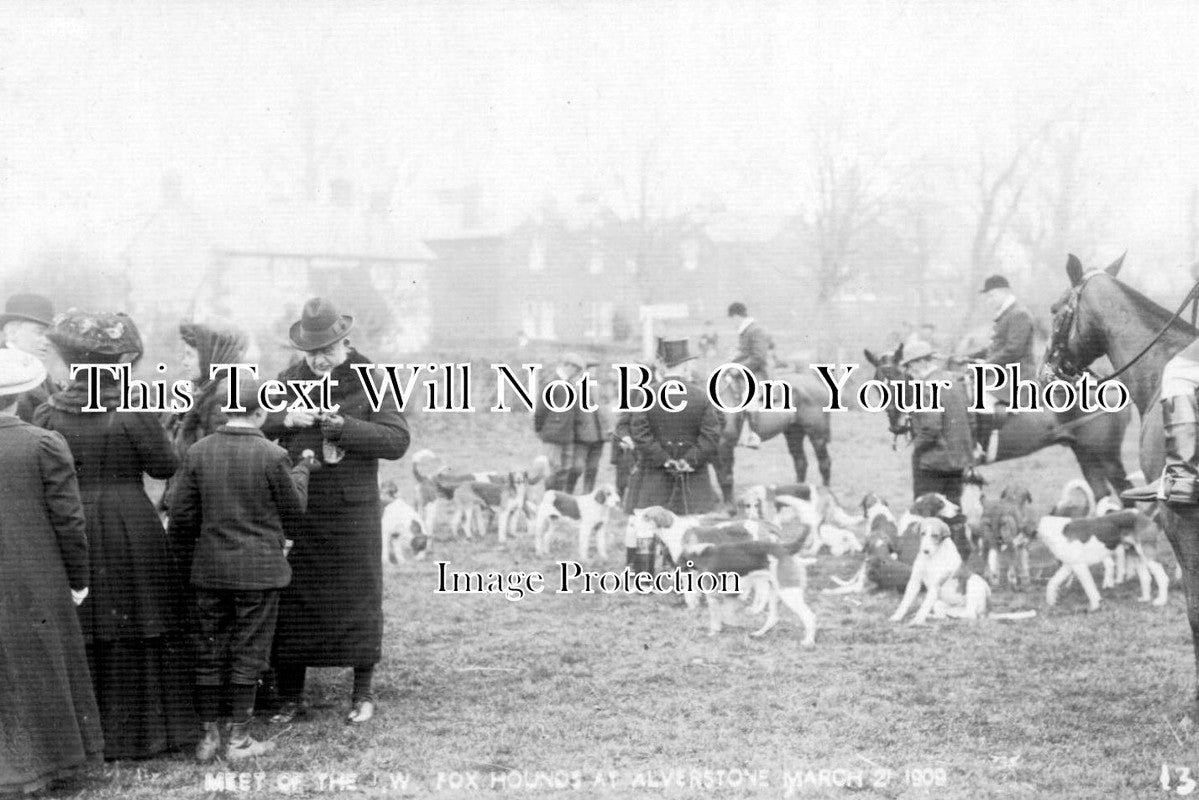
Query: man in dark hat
x,y
331,615
675,448
24,323
1011,343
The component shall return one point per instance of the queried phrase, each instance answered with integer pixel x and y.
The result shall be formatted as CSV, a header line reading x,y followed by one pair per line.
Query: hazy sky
x,y
530,99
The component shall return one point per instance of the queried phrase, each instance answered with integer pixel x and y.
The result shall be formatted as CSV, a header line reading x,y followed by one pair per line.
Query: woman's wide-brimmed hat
x,y
19,371
320,325
107,333
30,307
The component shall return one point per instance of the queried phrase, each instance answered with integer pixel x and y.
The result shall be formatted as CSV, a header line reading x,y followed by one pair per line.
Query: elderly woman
x,y
132,619
332,613
49,723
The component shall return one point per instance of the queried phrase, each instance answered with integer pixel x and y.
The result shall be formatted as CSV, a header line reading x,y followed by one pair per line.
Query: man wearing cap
x,y
24,323
942,448
558,430
1011,343
674,448
331,615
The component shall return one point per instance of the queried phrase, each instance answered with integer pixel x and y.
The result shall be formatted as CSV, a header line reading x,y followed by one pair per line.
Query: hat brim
x,y
13,317
24,386
315,340
670,364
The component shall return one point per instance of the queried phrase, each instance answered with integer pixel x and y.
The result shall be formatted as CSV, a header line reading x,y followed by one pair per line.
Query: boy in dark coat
x,y
235,496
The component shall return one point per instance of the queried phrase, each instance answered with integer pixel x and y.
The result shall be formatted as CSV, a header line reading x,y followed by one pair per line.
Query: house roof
x,y
312,231
290,231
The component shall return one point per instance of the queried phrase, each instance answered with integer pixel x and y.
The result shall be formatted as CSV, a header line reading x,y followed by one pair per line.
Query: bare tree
x,y
1001,191
850,199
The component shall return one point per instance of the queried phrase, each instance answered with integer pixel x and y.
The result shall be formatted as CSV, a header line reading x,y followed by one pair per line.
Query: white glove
x,y
79,596
299,419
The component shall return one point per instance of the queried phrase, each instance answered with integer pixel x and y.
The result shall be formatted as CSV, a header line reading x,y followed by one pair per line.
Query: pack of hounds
x,y
952,553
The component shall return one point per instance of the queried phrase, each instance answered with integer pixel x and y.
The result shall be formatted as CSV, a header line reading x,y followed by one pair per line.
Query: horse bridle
x,y
1058,360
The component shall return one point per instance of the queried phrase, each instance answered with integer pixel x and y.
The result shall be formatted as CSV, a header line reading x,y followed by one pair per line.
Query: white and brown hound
x,y
591,512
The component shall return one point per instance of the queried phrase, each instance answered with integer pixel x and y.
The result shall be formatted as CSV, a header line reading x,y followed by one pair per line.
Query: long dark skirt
x,y
144,690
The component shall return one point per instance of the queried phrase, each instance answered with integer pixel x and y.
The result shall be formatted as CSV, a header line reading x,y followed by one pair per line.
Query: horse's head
x,y
1078,336
888,367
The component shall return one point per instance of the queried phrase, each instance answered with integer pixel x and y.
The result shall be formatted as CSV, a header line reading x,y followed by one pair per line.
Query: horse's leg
x,y
1182,529
725,451
794,434
820,445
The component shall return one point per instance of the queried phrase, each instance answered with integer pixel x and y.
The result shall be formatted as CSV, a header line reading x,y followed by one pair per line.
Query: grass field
x,y
526,697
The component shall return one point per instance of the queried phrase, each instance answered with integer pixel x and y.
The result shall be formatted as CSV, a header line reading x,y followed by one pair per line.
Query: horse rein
x,y
1057,350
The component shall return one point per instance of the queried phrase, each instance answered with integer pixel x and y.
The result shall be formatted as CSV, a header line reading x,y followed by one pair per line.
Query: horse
x,y
1101,316
805,420
1095,438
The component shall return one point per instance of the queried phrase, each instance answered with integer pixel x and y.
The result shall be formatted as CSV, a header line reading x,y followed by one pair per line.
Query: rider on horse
x,y
1011,343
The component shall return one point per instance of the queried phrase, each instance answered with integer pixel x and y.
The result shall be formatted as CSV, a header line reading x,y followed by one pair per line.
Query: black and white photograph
x,y
593,399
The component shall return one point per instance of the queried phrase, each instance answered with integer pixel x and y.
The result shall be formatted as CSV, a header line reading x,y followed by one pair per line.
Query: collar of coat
x,y
1011,301
745,325
347,379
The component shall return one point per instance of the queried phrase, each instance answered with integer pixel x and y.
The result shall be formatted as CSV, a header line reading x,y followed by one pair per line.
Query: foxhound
x,y
590,511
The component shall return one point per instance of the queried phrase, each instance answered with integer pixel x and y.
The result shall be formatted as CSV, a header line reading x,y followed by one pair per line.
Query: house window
x,y
598,322
630,265
537,255
690,255
537,319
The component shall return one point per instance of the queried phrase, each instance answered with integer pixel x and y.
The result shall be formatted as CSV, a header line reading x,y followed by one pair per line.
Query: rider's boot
x,y
1179,482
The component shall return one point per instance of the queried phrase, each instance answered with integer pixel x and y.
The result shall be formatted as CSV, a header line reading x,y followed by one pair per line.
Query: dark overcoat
x,y
331,615
136,584
555,427
233,496
691,433
134,620
49,721
1012,340
753,350
941,440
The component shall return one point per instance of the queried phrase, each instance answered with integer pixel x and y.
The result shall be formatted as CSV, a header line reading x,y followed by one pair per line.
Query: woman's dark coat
x,y
134,619
331,615
49,722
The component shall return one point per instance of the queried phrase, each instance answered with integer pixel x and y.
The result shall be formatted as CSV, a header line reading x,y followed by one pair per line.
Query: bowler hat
x,y
674,351
31,307
737,310
77,333
320,325
19,372
917,351
995,282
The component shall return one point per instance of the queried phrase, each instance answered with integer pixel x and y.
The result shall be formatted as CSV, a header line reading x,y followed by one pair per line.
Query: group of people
x,y
660,457
123,638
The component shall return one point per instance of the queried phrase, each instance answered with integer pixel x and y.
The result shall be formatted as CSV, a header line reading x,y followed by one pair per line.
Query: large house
x,y
257,268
